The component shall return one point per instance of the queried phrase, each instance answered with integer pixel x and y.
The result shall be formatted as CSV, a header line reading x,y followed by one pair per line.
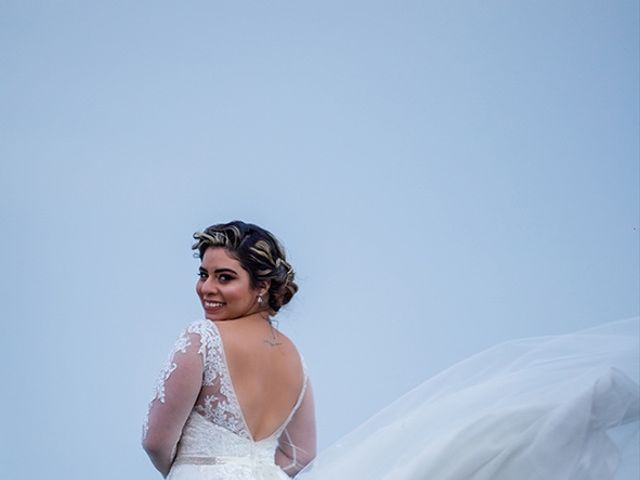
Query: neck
x,y
261,316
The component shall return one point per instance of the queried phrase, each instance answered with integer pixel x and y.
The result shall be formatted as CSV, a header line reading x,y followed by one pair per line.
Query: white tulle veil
x,y
559,407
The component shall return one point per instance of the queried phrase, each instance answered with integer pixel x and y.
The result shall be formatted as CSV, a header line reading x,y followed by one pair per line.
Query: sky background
x,y
444,175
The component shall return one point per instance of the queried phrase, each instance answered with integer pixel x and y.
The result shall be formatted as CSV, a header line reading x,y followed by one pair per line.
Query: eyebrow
x,y
219,270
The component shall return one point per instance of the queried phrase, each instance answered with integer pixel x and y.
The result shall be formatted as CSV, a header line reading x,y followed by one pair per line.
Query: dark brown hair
x,y
259,253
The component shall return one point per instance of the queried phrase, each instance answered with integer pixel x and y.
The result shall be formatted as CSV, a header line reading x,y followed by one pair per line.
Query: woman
x,y
234,401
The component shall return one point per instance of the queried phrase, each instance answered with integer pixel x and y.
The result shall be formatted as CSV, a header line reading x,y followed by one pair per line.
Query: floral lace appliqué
x,y
159,394
218,403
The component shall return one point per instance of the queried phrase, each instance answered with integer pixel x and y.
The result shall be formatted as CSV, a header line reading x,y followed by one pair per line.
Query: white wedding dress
x,y
211,440
551,408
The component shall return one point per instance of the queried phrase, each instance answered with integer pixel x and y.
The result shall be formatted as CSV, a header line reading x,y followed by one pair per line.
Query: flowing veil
x,y
558,407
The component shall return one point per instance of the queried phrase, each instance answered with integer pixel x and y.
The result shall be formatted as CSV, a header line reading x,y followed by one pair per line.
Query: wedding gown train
x,y
550,408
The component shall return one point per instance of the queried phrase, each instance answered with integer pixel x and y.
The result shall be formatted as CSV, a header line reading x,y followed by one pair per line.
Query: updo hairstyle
x,y
259,253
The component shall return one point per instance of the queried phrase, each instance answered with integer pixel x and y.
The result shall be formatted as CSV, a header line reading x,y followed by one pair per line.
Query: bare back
x,y
265,370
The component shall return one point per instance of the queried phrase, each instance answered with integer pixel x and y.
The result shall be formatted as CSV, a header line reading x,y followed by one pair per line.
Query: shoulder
x,y
205,339
288,343
292,351
204,331
200,327
200,336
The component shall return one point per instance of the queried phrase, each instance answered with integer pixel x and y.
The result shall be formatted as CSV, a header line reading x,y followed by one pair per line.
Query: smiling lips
x,y
209,305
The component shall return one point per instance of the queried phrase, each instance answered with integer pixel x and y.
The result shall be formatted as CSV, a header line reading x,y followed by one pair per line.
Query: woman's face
x,y
224,287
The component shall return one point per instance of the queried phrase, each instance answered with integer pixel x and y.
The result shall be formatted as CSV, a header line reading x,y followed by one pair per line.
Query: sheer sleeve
x,y
176,392
297,443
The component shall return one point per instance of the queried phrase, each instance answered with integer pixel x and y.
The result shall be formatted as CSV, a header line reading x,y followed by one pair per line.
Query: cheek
x,y
234,293
239,293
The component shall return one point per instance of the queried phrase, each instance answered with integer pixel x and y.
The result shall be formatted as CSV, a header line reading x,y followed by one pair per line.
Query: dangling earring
x,y
260,300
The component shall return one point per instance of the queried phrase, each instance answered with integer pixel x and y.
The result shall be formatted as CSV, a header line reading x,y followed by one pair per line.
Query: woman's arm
x,y
297,444
176,392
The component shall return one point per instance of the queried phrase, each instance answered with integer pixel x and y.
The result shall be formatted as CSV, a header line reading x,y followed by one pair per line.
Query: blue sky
x,y
444,176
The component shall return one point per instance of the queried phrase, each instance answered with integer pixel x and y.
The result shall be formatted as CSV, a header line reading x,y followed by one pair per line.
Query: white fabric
x,y
212,452
195,429
550,408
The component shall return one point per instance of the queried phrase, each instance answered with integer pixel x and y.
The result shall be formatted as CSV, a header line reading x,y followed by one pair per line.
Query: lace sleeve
x,y
176,392
297,443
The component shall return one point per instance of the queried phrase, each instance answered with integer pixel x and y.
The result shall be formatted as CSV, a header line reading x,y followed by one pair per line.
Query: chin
x,y
212,316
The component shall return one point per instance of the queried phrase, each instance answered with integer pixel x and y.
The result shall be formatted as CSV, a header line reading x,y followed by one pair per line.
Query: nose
x,y
208,287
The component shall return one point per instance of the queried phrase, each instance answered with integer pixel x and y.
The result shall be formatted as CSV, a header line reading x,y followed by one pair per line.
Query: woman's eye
x,y
202,275
225,278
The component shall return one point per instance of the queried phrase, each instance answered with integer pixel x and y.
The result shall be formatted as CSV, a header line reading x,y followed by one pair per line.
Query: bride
x,y
234,401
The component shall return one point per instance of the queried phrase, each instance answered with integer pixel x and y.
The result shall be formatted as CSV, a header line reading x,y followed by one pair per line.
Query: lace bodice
x,y
196,418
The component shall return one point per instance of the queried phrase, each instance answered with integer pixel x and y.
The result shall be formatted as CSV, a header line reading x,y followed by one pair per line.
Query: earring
x,y
260,300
